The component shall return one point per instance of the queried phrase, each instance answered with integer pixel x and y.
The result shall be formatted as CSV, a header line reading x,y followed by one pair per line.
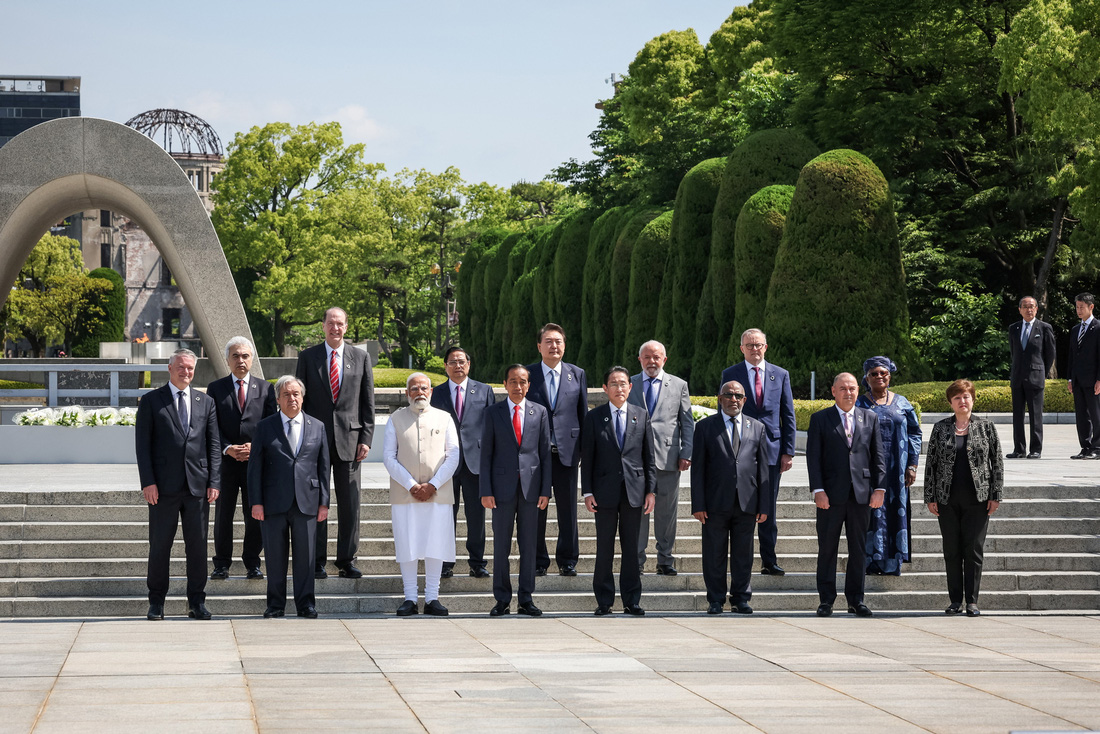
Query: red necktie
x,y
517,426
334,377
240,394
759,388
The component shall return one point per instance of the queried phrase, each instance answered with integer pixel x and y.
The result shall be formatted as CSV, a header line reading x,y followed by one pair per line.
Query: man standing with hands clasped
x,y
847,473
619,482
1031,344
1083,372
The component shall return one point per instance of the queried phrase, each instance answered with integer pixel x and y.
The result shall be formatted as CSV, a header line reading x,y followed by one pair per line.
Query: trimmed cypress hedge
x,y
650,250
595,299
496,268
545,297
524,327
112,327
619,271
569,274
505,326
837,293
701,381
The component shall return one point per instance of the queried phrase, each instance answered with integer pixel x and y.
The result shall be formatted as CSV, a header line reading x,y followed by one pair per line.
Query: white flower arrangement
x,y
699,412
76,416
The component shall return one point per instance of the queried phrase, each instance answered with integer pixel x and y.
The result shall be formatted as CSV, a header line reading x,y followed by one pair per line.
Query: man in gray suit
x,y
666,399
618,482
731,493
288,490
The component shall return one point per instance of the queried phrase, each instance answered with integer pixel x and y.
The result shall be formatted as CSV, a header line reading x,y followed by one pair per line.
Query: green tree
x,y
645,280
596,307
50,267
569,264
966,339
619,281
112,326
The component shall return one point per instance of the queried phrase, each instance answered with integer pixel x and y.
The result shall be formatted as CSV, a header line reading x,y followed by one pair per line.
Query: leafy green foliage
x,y
569,265
966,338
622,257
111,327
645,281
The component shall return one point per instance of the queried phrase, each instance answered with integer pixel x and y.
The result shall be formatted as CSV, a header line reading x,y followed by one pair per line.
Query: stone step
x,y
553,603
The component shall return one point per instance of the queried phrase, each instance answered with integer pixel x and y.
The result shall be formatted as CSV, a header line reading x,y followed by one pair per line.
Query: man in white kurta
x,y
421,453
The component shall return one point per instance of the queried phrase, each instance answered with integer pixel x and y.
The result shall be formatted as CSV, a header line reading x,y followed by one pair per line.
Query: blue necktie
x,y
553,391
620,427
650,396
1027,333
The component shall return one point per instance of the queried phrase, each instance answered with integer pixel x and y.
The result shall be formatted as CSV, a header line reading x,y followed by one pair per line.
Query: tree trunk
x,y
1048,257
382,325
279,331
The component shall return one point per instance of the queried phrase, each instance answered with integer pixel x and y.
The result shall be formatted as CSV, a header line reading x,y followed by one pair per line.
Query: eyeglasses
x,y
733,395
879,373
458,363
618,385
754,346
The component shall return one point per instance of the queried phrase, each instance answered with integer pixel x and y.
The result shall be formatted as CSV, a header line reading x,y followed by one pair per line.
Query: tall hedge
x,y
837,293
569,274
619,281
504,326
688,259
701,379
763,159
759,230
524,326
545,300
595,299
645,282
496,268
470,292
112,327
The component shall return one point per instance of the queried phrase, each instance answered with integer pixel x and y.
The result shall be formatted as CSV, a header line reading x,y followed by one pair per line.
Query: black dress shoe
x,y
220,573
435,609
742,608
499,609
953,609
309,612
349,571
634,610
254,574
860,610
198,611
825,610
540,571
1015,455
1092,455
447,572
1034,455
479,572
568,570
156,611
1082,455
602,611
973,611
714,608
319,572
666,569
407,608
273,612
529,609
773,570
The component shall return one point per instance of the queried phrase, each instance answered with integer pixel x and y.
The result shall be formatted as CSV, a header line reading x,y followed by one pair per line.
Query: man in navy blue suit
x,y
179,464
466,401
562,389
242,401
1083,372
515,485
769,400
288,488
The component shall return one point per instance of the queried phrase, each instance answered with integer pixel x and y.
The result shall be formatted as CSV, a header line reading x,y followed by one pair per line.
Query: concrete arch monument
x,y
78,163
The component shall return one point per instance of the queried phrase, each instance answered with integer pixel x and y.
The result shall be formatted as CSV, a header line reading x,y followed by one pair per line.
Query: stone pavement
x,y
675,673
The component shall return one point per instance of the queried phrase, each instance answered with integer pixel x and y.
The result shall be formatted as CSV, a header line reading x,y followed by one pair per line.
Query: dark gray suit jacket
x,y
235,426
569,410
836,468
1032,365
478,397
719,479
606,469
1084,356
504,464
167,457
350,421
277,478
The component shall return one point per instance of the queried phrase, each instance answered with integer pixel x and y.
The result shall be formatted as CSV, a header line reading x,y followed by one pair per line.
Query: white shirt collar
x,y
547,369
659,378
339,351
522,406
287,418
454,385
851,413
1029,323
175,391
750,366
245,379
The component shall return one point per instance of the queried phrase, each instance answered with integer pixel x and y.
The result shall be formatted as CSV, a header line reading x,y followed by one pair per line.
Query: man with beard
x,y
420,452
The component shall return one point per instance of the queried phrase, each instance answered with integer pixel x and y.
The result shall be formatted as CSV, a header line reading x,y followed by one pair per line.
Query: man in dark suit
x,y
288,489
1083,371
179,464
847,472
339,392
515,485
619,484
466,401
241,401
770,401
666,399
730,495
1031,344
562,389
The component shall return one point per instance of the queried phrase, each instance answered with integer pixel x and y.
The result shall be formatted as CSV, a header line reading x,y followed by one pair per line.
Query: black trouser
x,y
727,536
627,520
281,531
564,481
1022,395
963,527
853,518
170,511
345,483
1086,408
235,482
769,529
523,517
467,490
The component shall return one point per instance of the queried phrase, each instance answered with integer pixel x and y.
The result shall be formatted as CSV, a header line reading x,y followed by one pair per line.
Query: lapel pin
x,y
634,419
347,366
531,411
605,420
771,377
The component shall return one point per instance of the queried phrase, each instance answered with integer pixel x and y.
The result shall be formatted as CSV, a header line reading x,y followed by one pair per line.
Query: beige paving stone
x,y
152,662
17,718
184,726
1069,697
29,663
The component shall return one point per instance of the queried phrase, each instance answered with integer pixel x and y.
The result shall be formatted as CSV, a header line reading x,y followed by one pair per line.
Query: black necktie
x,y
735,440
181,408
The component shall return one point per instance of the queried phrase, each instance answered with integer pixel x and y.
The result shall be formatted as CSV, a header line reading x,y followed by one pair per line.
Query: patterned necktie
x,y
1027,333
553,390
1081,333
651,396
334,377
240,394
458,403
759,389
848,429
620,427
181,408
517,425
292,435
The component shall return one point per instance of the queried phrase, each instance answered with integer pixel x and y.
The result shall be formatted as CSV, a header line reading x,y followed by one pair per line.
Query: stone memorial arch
x,y
78,163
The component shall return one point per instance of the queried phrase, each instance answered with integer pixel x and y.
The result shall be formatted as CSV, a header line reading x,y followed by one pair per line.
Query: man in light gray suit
x,y
672,427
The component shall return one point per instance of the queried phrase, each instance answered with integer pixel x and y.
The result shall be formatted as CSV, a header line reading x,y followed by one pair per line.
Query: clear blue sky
x,y
503,90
